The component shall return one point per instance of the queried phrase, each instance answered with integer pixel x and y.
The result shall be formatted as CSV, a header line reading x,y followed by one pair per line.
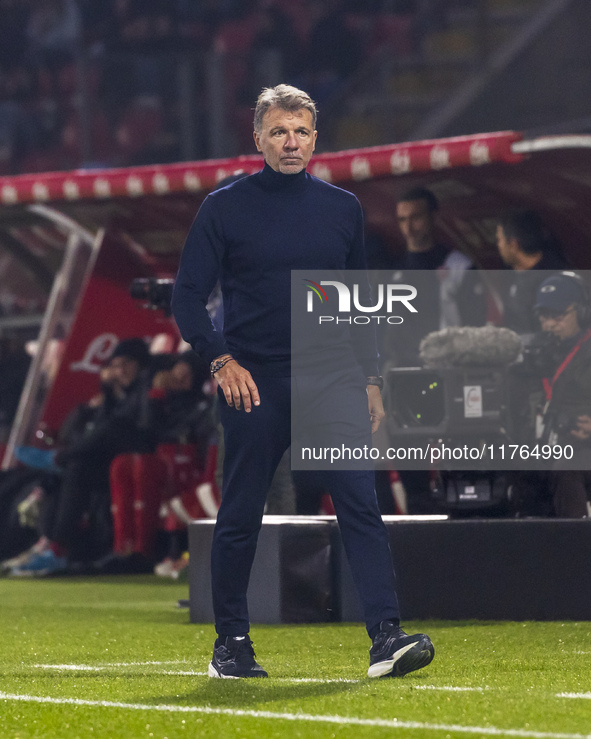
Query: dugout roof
x,y
149,209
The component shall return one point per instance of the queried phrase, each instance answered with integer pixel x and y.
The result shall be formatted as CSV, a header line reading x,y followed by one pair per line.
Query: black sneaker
x,y
394,653
234,658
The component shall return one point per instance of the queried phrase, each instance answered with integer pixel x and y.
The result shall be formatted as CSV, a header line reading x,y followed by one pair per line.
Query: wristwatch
x,y
379,381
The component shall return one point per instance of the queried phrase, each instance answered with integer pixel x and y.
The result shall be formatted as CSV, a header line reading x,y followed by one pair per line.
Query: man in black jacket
x,y
526,246
251,235
564,311
116,422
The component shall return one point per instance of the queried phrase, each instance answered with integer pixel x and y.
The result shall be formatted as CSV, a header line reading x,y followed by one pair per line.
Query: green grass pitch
x,y
115,657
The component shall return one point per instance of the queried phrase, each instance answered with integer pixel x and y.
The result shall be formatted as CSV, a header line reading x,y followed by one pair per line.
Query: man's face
x,y
506,247
286,139
562,325
125,370
416,224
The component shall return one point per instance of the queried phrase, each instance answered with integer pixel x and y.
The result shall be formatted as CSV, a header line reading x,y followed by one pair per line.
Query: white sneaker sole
x,y
385,668
212,672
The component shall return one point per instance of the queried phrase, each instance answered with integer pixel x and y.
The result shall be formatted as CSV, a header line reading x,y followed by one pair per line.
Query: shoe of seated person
x,y
172,568
234,658
37,459
20,559
41,564
394,653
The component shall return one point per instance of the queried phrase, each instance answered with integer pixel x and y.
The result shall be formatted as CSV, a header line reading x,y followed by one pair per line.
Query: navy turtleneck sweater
x,y
250,235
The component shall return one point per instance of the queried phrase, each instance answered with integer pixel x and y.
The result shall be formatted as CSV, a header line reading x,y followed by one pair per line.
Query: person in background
x,y
563,309
112,424
527,247
450,293
180,413
457,295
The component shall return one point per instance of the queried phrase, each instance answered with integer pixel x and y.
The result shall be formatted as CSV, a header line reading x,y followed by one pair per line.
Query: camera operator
x,y
563,308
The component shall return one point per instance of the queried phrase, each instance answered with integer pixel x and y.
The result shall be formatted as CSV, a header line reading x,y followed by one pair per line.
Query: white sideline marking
x,y
141,664
280,679
196,673
118,664
193,673
317,680
106,665
313,718
451,688
574,695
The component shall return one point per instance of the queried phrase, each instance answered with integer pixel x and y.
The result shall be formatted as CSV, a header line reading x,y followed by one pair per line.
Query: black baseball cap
x,y
559,292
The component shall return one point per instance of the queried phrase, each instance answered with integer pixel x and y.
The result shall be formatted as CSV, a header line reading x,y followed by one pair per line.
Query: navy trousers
x,y
254,444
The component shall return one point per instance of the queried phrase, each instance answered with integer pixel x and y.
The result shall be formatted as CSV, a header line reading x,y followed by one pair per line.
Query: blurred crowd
x,y
85,83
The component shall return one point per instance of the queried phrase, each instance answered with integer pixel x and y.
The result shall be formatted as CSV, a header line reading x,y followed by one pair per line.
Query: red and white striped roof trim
x,y
338,167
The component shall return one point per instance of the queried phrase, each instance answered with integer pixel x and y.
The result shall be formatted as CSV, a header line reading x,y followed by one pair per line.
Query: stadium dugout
x,y
72,242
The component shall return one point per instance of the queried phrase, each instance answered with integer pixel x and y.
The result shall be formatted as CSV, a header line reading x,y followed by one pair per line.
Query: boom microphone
x,y
470,346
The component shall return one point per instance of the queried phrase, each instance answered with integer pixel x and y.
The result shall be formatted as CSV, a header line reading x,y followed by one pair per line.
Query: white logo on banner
x,y
322,171
192,181
71,190
439,157
360,169
40,191
134,185
400,162
97,352
9,194
161,183
102,188
479,153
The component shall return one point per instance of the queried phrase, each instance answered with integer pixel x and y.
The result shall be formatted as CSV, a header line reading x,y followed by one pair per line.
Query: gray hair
x,y
285,97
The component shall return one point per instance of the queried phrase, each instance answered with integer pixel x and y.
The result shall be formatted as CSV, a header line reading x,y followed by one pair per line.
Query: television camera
x,y
155,292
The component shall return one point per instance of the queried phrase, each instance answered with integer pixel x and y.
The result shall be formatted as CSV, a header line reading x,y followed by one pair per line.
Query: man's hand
x,y
376,407
583,430
238,386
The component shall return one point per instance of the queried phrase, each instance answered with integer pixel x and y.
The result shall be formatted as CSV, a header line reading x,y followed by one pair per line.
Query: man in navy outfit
x,y
250,235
